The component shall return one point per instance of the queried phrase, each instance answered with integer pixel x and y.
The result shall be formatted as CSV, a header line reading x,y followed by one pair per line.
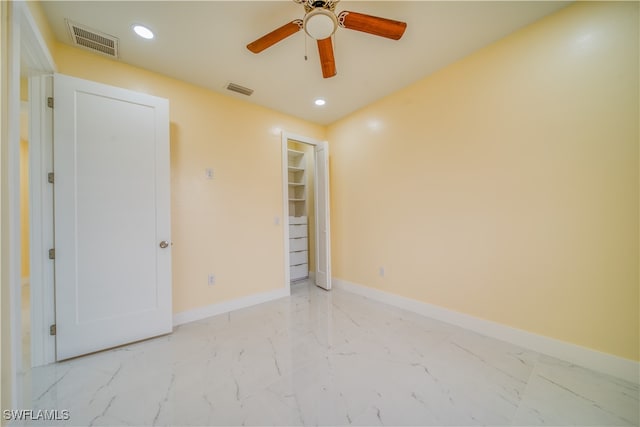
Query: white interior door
x,y
323,242
112,216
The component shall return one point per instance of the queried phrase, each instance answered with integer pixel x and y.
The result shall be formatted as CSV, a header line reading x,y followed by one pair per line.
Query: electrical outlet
x,y
211,280
381,271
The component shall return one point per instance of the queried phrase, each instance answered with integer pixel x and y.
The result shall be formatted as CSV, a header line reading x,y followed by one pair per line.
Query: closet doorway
x,y
306,207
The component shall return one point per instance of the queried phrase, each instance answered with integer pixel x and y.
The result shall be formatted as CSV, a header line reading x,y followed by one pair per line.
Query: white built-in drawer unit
x,y
298,248
300,257
297,220
299,244
297,231
299,271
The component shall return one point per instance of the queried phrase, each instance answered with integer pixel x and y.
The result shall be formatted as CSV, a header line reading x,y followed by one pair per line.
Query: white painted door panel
x,y
111,194
323,252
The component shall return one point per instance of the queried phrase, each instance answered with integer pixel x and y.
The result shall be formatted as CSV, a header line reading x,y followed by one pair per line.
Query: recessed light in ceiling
x,y
143,31
319,102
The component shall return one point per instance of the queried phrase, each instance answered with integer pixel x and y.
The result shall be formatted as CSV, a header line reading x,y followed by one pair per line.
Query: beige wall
x,y
24,96
223,226
505,186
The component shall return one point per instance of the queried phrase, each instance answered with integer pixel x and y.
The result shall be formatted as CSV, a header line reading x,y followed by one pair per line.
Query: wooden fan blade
x,y
275,36
372,24
327,61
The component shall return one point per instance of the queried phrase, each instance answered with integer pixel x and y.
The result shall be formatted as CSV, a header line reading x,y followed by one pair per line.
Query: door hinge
x,y
50,177
52,330
50,102
52,254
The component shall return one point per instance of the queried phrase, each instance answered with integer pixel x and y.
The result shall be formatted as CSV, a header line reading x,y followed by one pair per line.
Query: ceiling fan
x,y
320,22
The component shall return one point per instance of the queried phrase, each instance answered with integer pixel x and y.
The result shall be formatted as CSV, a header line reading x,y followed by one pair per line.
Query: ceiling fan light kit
x,y
320,23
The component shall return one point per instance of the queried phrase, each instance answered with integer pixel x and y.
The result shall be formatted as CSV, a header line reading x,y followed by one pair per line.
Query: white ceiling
x,y
203,42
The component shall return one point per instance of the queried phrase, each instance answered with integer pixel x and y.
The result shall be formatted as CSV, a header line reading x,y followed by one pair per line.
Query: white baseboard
x,y
619,367
227,306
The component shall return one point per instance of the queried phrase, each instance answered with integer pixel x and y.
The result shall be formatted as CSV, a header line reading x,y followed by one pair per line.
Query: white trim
x,y
43,345
11,201
285,210
26,47
227,306
35,53
6,378
602,362
285,138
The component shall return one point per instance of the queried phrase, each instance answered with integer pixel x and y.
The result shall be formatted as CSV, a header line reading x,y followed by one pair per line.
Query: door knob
x,y
164,244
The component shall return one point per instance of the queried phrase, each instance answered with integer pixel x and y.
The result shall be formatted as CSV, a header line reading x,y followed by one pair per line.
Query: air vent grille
x,y
240,89
94,40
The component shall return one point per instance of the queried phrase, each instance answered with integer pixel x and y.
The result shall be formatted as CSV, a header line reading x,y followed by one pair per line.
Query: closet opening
x,y
306,201
300,174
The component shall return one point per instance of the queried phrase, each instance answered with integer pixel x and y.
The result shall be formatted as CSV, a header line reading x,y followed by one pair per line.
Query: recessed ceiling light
x,y
143,31
319,102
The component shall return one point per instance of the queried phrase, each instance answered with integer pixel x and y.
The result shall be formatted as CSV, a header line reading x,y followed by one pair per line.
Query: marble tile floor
x,y
326,358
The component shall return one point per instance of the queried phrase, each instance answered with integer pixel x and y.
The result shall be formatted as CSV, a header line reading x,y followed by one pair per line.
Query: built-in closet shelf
x,y
298,227
297,182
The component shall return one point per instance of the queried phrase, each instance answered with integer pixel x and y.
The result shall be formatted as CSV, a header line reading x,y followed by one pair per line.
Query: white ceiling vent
x,y
91,39
240,89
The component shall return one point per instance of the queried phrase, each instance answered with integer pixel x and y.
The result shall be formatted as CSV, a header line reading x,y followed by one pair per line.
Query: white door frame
x,y
41,230
288,136
25,45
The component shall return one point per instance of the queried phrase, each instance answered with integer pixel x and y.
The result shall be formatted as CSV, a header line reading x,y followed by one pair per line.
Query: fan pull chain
x,y
305,48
